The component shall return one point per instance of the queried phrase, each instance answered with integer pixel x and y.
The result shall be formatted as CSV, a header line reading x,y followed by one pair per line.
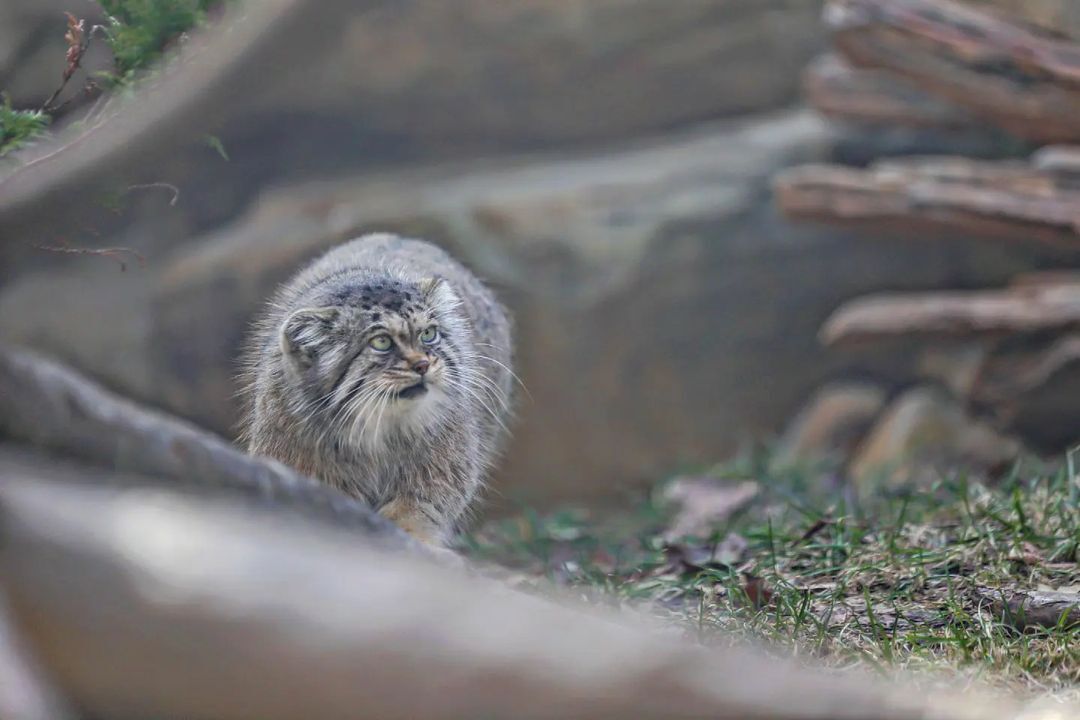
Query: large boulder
x,y
664,311
303,88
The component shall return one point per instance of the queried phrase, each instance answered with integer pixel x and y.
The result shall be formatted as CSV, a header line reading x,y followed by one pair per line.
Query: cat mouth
x,y
413,391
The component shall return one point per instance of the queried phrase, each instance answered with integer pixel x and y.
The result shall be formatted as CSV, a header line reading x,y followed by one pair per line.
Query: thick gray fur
x,y
320,397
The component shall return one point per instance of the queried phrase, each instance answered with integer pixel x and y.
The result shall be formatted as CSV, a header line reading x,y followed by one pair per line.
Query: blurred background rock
x,y
608,166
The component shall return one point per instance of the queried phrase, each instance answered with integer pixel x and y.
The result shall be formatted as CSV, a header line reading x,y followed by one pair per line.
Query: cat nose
x,y
421,366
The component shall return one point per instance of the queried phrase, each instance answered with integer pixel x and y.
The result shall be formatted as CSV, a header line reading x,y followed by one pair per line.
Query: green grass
x,y
891,583
19,127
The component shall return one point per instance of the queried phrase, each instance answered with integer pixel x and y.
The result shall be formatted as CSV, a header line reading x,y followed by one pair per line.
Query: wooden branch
x,y
49,407
954,314
1058,159
1056,16
1045,280
1015,77
1008,200
155,605
1032,391
1033,608
1005,379
864,96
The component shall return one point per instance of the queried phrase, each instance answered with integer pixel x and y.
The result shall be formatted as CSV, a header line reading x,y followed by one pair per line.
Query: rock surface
x,y
486,73
306,88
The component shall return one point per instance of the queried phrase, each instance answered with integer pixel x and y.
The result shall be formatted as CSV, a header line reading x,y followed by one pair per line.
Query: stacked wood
x,y
1014,76
1011,356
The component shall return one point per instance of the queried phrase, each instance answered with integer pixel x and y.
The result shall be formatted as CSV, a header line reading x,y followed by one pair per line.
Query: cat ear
x,y
306,332
430,286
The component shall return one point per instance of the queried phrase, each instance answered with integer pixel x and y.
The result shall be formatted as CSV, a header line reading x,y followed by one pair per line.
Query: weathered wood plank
x,y
1055,16
1002,199
953,314
1018,78
866,96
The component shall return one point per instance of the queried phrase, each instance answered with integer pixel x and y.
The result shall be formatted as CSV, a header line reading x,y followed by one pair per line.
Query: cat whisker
x,y
508,370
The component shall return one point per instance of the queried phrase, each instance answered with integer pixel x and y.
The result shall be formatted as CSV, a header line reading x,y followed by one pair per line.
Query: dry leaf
x,y
704,503
75,36
693,558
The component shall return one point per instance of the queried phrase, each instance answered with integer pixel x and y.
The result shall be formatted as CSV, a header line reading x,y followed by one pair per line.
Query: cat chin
x,y
412,414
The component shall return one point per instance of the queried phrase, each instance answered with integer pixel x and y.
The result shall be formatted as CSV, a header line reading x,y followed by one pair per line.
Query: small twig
x,y
814,529
78,44
78,41
88,91
114,253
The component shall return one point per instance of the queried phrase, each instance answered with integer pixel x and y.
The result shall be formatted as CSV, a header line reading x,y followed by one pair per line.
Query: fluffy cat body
x,y
383,369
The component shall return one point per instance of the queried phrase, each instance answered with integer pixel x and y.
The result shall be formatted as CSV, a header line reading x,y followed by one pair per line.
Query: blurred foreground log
x,y
1020,79
148,604
25,693
50,408
1010,200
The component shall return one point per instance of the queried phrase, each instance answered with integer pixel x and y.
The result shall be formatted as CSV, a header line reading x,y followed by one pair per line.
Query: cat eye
x,y
430,335
381,343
